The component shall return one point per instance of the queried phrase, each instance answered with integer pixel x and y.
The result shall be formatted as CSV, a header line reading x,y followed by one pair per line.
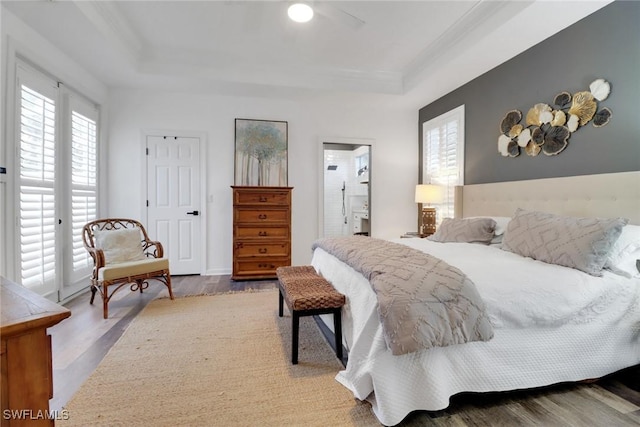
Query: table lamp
x,y
428,194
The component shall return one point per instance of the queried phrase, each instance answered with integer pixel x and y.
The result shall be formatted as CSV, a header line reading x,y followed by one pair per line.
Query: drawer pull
x,y
262,250
262,233
266,266
263,199
262,216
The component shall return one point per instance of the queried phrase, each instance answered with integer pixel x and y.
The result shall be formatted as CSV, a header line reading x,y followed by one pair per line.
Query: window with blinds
x,y
443,156
56,141
84,172
37,178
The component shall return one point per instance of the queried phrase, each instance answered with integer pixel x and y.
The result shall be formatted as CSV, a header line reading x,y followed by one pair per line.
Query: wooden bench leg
x,y
295,326
337,326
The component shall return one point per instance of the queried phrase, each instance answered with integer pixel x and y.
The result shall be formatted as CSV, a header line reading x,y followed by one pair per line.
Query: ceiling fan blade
x,y
338,15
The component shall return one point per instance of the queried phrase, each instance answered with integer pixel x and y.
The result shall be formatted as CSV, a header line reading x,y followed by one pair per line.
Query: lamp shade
x,y
429,193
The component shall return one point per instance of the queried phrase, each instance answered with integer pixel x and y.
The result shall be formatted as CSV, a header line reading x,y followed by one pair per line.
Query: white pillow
x,y
625,251
501,226
120,245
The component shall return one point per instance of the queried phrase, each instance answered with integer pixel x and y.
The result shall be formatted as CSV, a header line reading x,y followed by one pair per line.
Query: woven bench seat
x,y
308,294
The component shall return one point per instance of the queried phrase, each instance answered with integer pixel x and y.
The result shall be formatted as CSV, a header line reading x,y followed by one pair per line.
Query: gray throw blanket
x,y
423,302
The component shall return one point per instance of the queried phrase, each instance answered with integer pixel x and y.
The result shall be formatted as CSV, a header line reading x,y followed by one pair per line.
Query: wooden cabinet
x,y
27,373
261,231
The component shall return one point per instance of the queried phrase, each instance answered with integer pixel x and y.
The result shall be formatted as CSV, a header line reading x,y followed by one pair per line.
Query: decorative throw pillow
x,y
466,230
120,245
501,226
625,251
580,243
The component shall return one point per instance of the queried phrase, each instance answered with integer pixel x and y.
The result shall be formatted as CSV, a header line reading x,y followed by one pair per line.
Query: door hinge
x,y
147,150
147,203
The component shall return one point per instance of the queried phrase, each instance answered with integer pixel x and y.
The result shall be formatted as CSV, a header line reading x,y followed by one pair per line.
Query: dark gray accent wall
x,y
605,44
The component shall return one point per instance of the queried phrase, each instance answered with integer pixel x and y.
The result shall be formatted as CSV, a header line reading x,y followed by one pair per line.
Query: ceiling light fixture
x,y
300,12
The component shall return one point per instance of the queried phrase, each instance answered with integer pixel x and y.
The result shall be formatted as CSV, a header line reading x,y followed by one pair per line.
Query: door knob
x,y
194,213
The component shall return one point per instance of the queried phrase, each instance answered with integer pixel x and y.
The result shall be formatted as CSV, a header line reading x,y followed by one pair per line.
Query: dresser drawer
x,y
264,216
261,232
256,268
262,197
263,249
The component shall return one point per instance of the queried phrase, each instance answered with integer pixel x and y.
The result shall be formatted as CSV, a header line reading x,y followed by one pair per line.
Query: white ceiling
x,y
411,50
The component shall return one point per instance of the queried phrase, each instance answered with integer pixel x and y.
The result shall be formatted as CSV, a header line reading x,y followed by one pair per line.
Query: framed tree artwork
x,y
261,153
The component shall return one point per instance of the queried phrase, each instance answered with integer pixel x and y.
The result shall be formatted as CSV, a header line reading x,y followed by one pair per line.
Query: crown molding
x,y
465,31
196,66
105,16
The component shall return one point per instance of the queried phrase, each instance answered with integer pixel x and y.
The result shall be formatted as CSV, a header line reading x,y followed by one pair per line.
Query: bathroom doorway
x,y
346,188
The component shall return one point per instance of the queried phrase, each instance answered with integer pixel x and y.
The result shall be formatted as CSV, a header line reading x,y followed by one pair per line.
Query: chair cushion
x,y
120,245
132,268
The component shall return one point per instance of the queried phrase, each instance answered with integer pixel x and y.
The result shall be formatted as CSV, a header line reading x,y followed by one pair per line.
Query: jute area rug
x,y
221,360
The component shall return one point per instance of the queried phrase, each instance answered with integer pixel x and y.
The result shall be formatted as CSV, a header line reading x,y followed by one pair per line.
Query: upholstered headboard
x,y
604,195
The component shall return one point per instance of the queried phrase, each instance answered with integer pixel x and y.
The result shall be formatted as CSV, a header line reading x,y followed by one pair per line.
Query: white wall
x,y
394,157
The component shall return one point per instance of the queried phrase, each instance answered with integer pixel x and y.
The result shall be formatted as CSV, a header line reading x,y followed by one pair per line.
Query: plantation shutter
x,y
84,185
37,214
443,156
56,148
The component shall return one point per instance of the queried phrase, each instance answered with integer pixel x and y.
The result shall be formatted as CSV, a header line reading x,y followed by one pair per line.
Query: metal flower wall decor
x,y
547,129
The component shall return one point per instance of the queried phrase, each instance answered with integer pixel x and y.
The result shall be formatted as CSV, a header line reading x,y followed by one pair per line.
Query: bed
x,y
551,323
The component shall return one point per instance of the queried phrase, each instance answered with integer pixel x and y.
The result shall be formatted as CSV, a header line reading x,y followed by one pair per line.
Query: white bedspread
x,y
522,292
552,324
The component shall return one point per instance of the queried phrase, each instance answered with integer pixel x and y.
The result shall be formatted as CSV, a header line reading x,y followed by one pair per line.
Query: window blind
x,y
443,156
37,176
84,172
56,149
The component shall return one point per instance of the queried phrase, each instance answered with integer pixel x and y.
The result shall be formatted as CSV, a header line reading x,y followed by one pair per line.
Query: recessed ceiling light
x,y
300,12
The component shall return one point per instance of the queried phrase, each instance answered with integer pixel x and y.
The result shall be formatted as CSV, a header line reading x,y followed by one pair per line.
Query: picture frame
x,y
261,152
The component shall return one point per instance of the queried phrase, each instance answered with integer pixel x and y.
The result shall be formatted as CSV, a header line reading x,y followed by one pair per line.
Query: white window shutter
x,y
37,176
84,179
56,137
443,156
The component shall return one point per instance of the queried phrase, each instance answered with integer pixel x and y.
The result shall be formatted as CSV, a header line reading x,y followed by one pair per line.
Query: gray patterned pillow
x,y
467,230
580,243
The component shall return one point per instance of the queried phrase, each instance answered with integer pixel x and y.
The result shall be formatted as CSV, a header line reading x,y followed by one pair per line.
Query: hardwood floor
x,y
81,341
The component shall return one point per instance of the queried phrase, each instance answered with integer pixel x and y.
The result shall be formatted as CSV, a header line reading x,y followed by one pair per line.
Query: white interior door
x,y
173,197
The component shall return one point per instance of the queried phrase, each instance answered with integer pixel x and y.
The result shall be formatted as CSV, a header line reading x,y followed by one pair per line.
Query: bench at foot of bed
x,y
307,294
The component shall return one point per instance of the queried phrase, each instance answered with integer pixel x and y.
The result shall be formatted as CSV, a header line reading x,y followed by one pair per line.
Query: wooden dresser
x,y
261,231
27,373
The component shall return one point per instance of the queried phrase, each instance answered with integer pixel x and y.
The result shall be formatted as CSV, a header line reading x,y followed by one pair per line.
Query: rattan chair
x,y
118,261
